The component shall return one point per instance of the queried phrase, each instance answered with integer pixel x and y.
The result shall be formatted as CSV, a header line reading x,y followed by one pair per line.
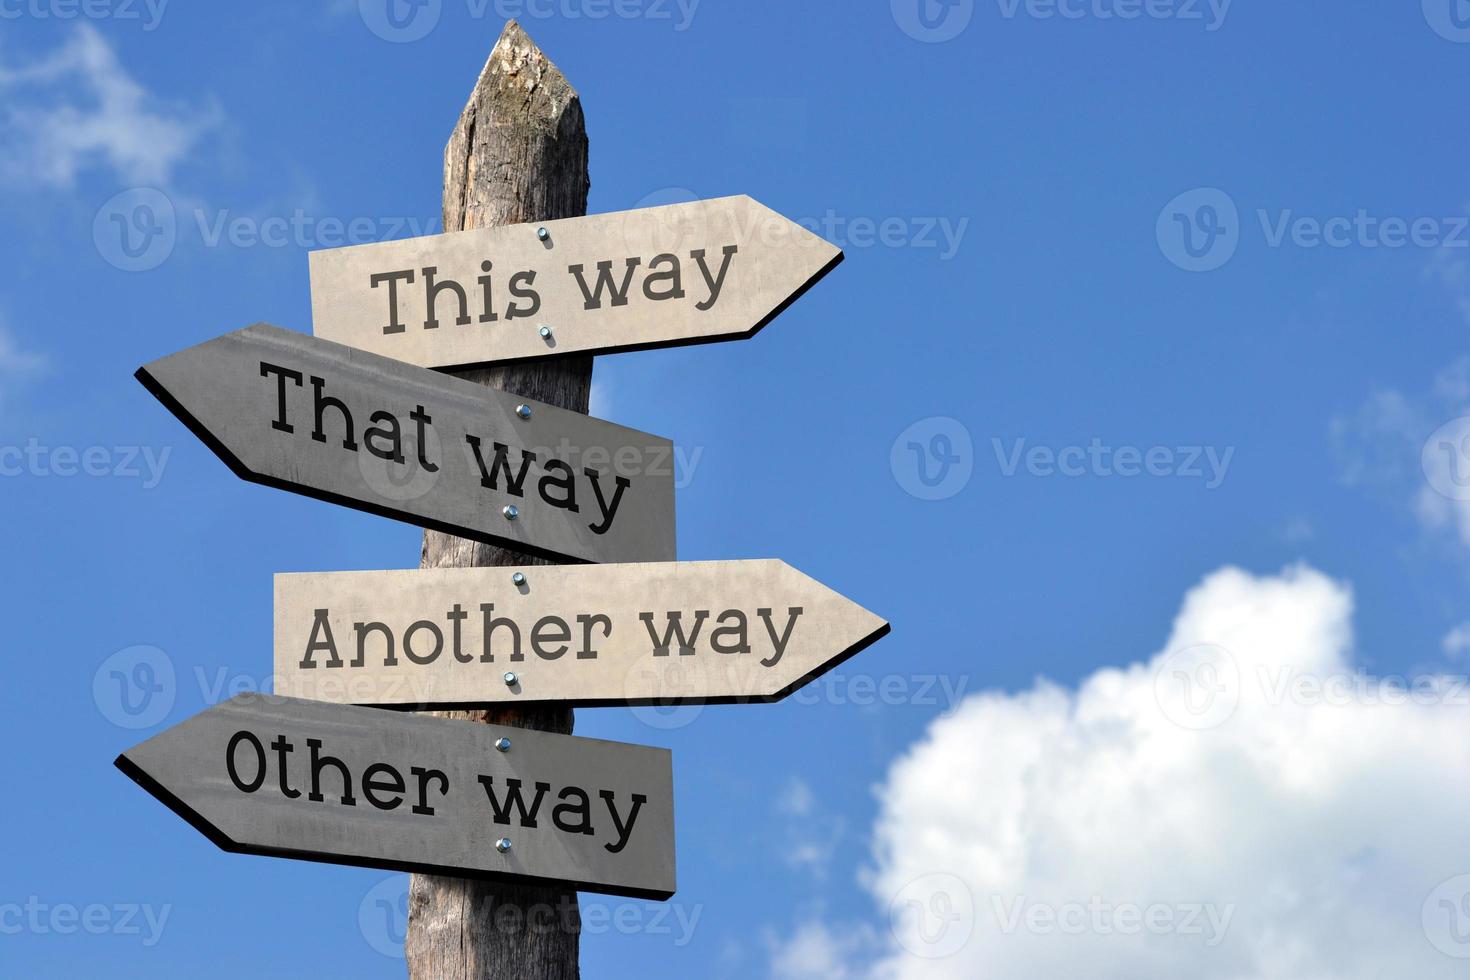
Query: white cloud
x,y
1414,450
798,799
814,953
811,834
13,360
1457,642
599,399
79,108
1245,805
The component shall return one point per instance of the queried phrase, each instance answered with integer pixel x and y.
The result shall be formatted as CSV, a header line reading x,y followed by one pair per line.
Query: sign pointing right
x,y
652,633
630,280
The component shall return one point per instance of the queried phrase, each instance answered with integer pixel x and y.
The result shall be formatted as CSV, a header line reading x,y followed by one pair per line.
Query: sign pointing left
x,y
324,420
261,774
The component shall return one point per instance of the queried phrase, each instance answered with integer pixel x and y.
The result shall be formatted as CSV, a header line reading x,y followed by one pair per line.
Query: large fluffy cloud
x,y
1245,804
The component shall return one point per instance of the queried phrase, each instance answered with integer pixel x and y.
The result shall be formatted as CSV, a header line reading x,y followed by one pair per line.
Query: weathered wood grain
x,y
519,153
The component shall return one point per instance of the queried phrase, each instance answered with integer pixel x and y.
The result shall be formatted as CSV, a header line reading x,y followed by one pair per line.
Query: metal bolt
x,y
524,411
510,512
503,744
518,578
503,845
545,333
510,678
542,234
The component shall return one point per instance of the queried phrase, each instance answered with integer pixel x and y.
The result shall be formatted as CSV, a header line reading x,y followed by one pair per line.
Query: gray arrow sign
x,y
308,415
318,782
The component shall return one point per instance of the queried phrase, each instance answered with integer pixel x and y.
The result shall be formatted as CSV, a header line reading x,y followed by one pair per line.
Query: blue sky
x,y
1223,248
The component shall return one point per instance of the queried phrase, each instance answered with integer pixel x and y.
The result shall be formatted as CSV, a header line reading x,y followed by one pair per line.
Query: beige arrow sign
x,y
639,634
630,280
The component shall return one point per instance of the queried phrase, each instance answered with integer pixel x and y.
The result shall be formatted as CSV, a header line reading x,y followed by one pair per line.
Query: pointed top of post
x,y
519,151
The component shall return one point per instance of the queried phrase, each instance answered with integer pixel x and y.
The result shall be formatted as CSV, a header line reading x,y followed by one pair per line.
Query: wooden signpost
x,y
307,415
488,813
713,632
631,280
320,782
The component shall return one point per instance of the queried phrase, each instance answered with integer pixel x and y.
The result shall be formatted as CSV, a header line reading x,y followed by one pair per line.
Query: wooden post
x,y
518,154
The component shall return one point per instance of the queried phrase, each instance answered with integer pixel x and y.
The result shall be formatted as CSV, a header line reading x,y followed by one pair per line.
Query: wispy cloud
x,y
1413,449
78,108
13,360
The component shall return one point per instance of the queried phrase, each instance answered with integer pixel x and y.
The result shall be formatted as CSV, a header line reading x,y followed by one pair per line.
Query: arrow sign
x,y
656,277
344,785
302,414
661,633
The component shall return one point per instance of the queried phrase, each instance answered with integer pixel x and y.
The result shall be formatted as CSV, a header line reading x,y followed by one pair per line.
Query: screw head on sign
x,y
523,411
503,845
510,512
503,744
518,578
545,333
542,234
510,678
